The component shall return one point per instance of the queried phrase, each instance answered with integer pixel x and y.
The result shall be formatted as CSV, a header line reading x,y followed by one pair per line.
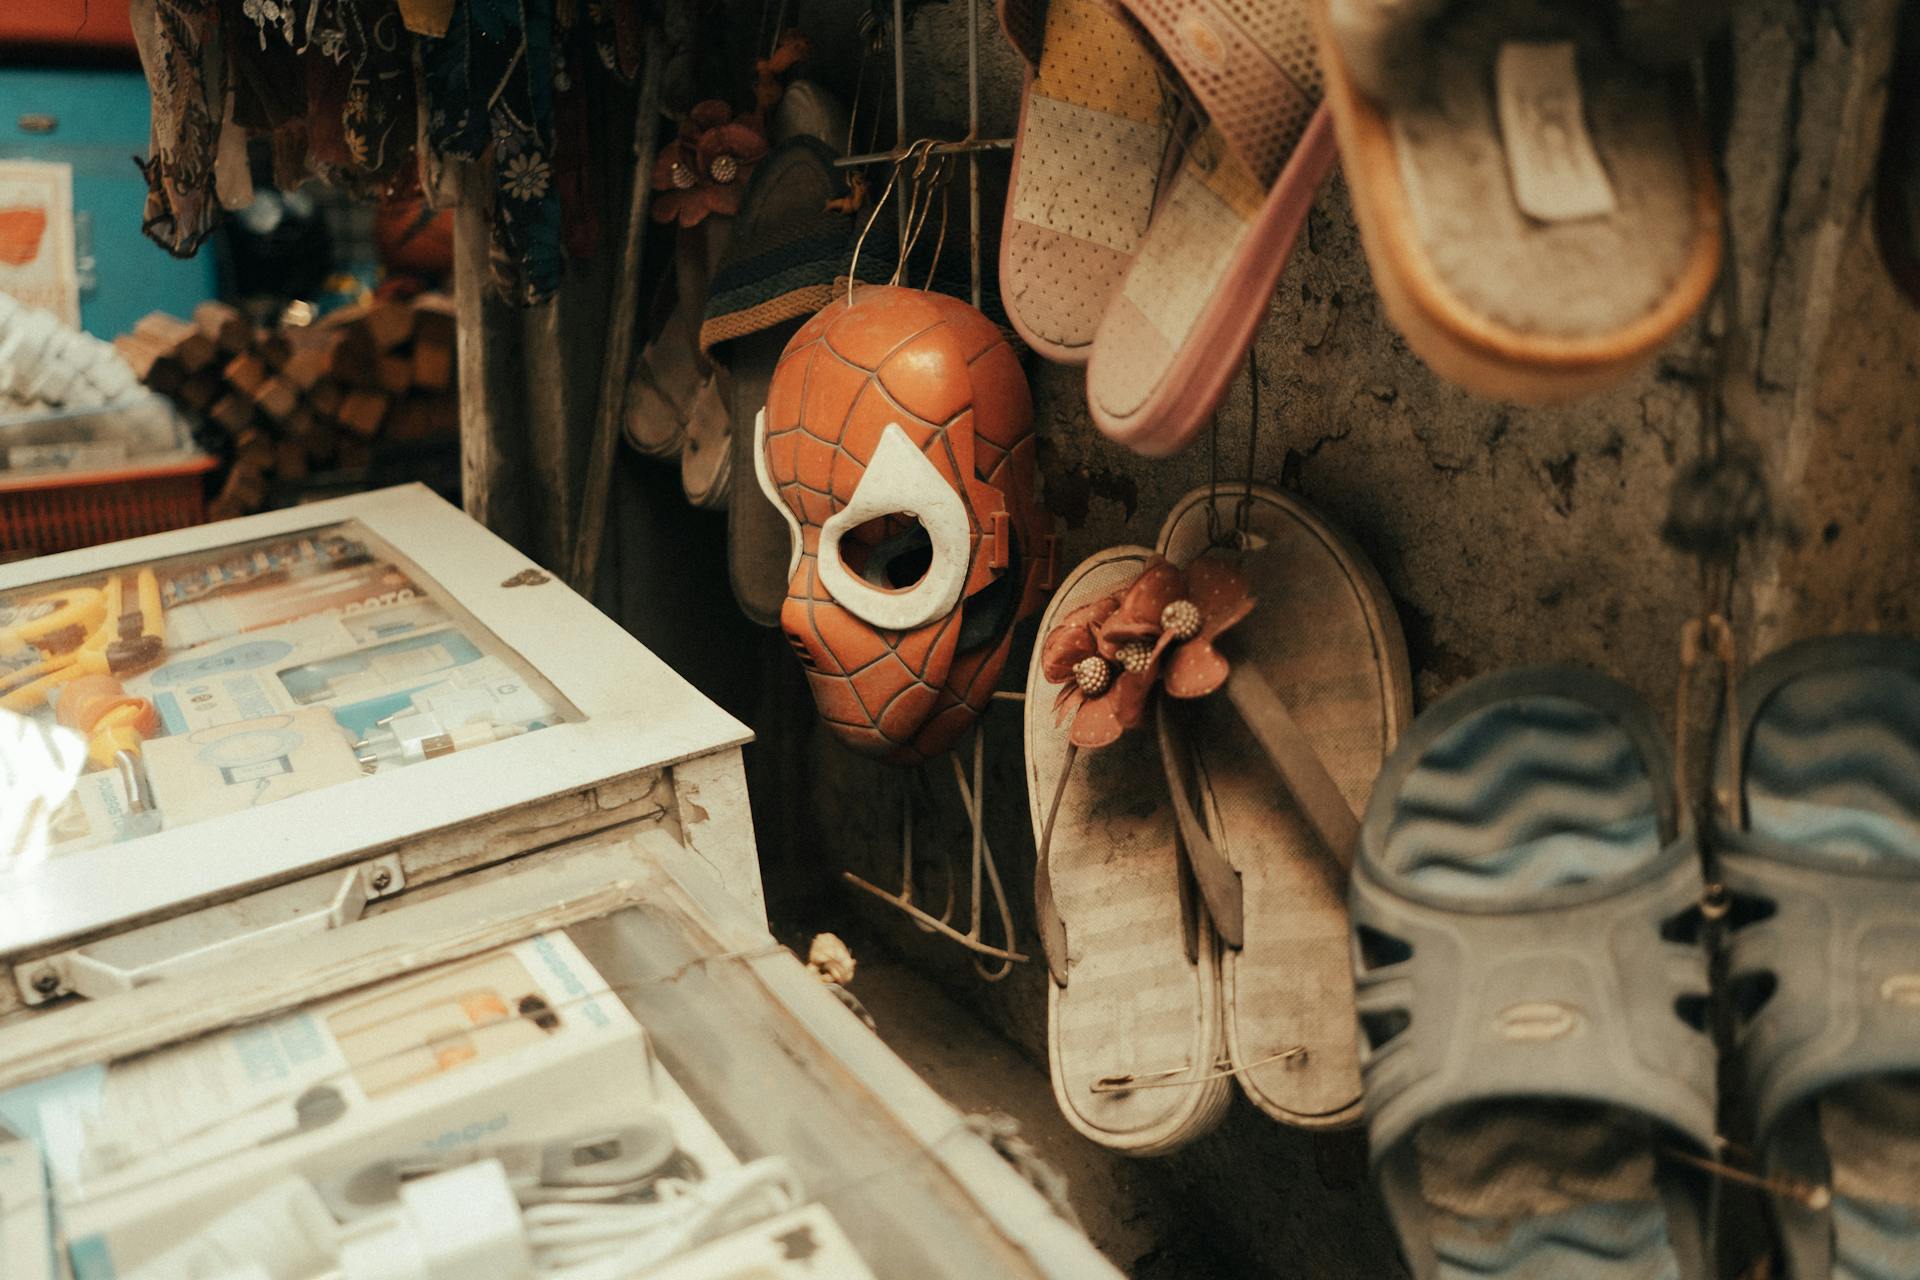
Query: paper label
x,y
1556,174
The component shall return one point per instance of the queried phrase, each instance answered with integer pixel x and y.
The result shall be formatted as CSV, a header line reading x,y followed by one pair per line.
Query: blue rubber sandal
x,y
1531,989
1821,865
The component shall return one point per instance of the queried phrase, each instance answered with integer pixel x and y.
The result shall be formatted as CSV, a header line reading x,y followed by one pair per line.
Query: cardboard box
x,y
520,1045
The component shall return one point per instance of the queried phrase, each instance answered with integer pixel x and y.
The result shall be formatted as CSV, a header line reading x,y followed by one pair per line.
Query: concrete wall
x,y
1505,535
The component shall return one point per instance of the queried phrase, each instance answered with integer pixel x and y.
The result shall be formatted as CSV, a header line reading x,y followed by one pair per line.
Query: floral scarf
x,y
180,50
490,79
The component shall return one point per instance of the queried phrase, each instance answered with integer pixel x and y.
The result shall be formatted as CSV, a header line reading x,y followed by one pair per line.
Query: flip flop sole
x,y
1344,677
1523,987
1424,253
1090,142
1133,1004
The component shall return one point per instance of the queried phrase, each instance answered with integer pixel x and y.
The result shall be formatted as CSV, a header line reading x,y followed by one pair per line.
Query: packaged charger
x,y
521,1045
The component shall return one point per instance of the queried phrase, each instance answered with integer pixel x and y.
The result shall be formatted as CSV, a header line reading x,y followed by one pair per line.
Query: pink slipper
x,y
1175,332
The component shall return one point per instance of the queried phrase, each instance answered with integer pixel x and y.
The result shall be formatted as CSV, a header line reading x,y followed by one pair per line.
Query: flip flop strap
x,y
1046,912
1218,881
1581,1001
1839,953
1294,759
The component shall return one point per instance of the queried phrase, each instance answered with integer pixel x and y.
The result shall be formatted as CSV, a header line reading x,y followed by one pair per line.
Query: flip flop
x,y
1277,763
1087,157
1133,1001
1176,331
1532,988
1536,202
787,250
1822,868
672,383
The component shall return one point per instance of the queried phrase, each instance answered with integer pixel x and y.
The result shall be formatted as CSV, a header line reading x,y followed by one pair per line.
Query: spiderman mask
x,y
897,440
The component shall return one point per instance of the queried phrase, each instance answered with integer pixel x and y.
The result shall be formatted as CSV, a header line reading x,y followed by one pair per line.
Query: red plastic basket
x,y
59,512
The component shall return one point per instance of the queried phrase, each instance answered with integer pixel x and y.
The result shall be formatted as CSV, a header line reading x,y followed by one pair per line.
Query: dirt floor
x,y
1127,1206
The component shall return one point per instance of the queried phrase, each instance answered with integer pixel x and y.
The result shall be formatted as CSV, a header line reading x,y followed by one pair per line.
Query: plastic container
x,y
44,512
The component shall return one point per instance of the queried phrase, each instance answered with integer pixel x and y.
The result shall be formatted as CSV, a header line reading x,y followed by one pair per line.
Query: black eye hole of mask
x,y
899,560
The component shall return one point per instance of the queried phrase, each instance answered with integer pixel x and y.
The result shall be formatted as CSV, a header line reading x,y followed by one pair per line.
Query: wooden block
x,y
389,324
444,413
179,339
229,329
323,443
308,362
290,460
326,399
232,411
201,390
159,371
274,349
301,423
243,492
394,374
354,453
277,398
352,355
244,373
362,412
432,365
255,449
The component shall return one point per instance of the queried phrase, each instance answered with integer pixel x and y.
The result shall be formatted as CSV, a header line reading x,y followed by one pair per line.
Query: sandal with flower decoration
x,y
1270,775
1133,1005
698,180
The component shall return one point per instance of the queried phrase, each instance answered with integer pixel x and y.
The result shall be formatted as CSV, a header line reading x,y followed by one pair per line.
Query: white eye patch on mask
x,y
899,480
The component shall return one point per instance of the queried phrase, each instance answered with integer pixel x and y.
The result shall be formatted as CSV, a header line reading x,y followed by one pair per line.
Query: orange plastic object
x,y
900,361
21,227
100,710
47,513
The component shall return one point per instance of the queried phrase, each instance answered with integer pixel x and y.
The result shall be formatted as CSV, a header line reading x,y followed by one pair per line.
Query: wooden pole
x,y
622,319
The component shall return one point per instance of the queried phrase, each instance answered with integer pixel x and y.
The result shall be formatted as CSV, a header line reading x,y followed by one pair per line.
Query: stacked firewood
x,y
297,400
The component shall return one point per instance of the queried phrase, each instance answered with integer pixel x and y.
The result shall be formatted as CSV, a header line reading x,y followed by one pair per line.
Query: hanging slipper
x,y
787,250
1821,863
1530,179
1532,988
1087,159
699,179
1133,1004
1273,770
1180,324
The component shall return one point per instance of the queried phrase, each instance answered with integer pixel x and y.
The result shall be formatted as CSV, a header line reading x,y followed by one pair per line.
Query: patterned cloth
x,y
180,51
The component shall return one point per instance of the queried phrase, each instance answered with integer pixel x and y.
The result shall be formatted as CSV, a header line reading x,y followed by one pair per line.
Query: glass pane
x,y
175,690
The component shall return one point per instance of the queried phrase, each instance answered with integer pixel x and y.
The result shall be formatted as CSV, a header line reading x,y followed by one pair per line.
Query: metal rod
x,y
938,149
900,102
973,157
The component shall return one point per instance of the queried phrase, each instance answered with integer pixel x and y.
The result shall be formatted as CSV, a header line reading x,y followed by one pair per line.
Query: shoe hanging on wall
x,y
1531,181
1539,1077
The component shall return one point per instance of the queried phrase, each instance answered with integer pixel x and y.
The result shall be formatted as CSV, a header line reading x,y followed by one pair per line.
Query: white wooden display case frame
x,y
644,747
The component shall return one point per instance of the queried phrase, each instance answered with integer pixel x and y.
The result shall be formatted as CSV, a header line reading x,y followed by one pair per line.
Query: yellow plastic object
x,y
58,622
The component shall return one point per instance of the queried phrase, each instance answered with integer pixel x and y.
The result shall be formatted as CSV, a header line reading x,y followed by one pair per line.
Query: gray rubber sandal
x,y
1821,863
1531,988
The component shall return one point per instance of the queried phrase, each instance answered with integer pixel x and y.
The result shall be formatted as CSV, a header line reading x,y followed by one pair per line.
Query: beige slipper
x,y
671,377
1279,762
1133,1001
1538,205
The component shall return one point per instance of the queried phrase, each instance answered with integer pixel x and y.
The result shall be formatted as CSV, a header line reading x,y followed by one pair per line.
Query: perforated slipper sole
x,y
1088,151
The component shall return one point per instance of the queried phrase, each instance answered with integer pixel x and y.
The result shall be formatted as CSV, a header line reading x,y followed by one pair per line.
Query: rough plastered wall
x,y
1505,535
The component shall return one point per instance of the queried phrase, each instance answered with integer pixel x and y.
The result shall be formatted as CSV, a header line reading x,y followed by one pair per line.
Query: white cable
x,y
615,1242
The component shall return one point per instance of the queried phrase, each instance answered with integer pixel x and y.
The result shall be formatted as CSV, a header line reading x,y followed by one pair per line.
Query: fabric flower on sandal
x,y
1109,655
705,169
